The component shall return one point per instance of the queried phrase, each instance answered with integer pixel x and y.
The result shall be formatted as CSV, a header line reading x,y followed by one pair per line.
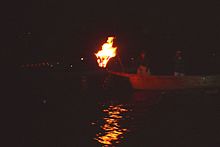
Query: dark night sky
x,y
68,29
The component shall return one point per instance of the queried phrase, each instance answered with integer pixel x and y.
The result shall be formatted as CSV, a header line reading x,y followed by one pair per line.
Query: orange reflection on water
x,y
112,129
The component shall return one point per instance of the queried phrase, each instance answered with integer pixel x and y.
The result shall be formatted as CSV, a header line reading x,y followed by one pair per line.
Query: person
x,y
179,64
143,64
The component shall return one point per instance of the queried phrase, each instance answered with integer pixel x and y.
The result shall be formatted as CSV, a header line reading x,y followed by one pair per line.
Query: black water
x,y
52,109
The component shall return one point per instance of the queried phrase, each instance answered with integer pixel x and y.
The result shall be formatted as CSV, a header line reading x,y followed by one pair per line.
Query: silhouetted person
x,y
179,69
143,64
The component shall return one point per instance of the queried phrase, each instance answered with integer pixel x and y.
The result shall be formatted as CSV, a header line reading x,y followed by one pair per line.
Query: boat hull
x,y
146,82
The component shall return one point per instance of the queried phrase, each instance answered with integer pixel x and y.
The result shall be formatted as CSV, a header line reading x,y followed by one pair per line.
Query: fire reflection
x,y
112,130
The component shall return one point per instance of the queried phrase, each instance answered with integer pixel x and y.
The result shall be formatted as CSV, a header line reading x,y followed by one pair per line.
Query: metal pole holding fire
x,y
119,60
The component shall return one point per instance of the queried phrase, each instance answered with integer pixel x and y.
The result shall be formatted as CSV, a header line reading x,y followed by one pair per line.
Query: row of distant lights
x,y
44,64
36,65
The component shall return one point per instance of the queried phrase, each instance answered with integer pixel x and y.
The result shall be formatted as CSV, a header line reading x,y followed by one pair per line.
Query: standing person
x,y
143,64
179,64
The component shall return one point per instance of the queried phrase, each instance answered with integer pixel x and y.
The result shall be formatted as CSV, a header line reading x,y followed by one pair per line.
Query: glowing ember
x,y
106,53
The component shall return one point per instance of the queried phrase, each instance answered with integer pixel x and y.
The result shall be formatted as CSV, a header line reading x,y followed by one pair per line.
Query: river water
x,y
54,109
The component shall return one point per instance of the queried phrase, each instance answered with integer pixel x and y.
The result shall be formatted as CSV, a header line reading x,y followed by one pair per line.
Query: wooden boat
x,y
152,82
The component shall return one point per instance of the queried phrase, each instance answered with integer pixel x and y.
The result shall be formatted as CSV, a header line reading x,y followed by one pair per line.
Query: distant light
x,y
81,59
58,62
51,65
71,65
132,58
44,101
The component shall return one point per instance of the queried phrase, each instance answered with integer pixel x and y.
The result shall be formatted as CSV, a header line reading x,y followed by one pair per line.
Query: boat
x,y
168,82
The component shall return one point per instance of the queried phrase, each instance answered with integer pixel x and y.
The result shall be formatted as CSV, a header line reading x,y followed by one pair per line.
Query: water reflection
x,y
112,130
124,114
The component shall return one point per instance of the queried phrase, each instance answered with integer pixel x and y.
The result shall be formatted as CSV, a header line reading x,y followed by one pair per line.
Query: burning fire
x,y
107,52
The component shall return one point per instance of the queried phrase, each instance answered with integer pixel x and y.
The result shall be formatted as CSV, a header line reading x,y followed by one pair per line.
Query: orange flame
x,y
106,53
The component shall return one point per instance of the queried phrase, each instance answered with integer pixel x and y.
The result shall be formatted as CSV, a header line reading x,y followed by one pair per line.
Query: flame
x,y
107,52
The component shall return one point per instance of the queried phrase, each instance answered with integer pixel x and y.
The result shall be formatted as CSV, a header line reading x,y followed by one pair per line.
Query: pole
x,y
119,59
